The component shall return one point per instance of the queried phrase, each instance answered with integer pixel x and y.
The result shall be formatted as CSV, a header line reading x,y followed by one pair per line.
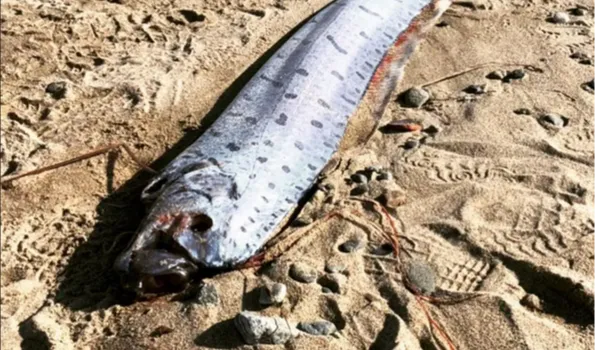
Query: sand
x,y
498,204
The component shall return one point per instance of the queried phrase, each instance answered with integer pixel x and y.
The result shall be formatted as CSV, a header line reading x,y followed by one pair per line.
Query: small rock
x,y
274,294
56,89
522,111
553,121
359,178
441,24
207,295
392,198
578,11
336,282
192,16
560,18
496,75
422,276
317,327
475,89
403,125
351,246
532,301
325,290
302,221
411,144
257,329
432,130
516,74
334,267
384,249
302,273
359,190
415,97
588,86
384,175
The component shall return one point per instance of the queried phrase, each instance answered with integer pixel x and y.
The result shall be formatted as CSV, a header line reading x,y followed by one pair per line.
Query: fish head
x,y
178,234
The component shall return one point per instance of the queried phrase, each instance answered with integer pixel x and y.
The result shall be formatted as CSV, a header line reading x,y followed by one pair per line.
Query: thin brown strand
x,y
94,153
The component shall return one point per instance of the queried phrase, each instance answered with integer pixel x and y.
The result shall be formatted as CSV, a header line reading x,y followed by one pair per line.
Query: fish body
x,y
219,201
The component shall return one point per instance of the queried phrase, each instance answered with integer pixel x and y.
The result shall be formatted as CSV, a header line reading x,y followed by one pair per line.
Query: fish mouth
x,y
170,261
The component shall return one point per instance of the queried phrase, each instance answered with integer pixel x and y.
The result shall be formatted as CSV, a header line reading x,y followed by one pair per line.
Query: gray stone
x,y
522,111
207,295
351,246
422,276
273,294
516,74
302,273
411,144
360,190
56,89
384,175
532,301
553,121
257,329
333,267
560,17
579,11
415,97
317,327
496,75
359,178
476,89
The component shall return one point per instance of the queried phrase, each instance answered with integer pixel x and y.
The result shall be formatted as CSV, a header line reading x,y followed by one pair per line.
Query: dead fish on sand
x,y
219,201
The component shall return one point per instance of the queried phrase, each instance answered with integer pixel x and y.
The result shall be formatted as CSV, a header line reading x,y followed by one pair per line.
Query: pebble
x,y
475,89
432,130
552,120
273,294
522,111
392,198
560,17
384,175
360,190
351,246
422,276
359,178
415,97
384,249
207,295
56,89
516,74
334,267
496,75
317,327
336,282
257,329
578,11
403,125
325,290
532,301
411,144
302,221
302,273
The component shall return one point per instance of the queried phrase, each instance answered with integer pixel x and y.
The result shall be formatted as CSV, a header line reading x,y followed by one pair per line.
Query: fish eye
x,y
201,223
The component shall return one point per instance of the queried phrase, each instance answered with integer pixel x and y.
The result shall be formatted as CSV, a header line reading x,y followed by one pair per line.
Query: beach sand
x,y
498,211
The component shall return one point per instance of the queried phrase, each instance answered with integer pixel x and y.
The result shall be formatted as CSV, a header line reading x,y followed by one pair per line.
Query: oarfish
x,y
219,201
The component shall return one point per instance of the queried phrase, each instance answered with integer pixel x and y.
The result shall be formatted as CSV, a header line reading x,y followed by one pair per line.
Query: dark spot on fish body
x,y
252,176
268,143
328,145
290,96
271,185
256,210
213,161
302,72
276,84
378,51
299,188
311,167
316,124
262,159
251,219
306,42
337,75
282,120
265,199
274,215
232,147
366,10
369,64
251,120
335,45
286,168
358,90
215,133
247,97
360,75
388,35
324,104
243,229
364,35
299,145
351,102
289,200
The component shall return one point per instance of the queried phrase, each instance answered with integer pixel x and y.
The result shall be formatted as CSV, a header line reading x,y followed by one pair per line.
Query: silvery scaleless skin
x,y
219,201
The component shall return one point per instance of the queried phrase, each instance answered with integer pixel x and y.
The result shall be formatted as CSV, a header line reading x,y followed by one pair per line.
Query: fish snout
x,y
155,271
